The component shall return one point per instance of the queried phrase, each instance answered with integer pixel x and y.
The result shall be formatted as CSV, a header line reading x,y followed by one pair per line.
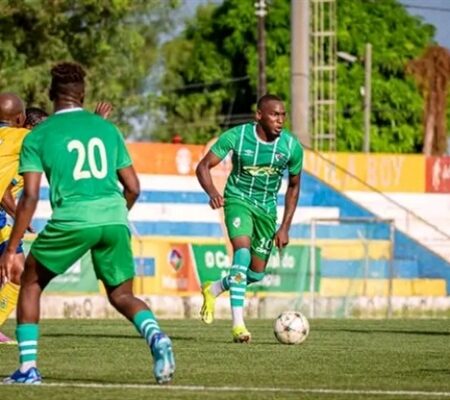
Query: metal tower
x,y
323,75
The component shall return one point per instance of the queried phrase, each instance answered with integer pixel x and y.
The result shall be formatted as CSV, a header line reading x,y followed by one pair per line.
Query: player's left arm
x,y
291,200
24,212
292,193
130,182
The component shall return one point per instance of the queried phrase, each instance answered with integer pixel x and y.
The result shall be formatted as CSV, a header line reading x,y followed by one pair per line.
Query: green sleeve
x,y
30,155
296,160
225,143
123,156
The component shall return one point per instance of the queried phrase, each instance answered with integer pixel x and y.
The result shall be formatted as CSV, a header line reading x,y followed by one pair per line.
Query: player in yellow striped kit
x,y
12,118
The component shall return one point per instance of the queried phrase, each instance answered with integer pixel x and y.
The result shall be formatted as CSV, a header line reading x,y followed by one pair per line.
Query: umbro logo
x,y
249,152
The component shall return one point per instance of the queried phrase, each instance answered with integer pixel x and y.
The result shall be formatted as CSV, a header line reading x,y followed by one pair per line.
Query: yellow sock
x,y
9,295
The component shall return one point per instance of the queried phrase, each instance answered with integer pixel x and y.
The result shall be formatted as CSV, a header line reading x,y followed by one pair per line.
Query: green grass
x,y
412,355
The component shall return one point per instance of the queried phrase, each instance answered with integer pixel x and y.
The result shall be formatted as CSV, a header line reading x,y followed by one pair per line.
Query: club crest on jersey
x,y
279,156
237,222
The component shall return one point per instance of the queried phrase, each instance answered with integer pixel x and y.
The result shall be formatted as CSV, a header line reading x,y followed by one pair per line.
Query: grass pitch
x,y
341,359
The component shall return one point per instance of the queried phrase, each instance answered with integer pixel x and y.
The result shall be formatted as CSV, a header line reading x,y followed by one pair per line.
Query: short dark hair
x,y
265,99
67,79
34,115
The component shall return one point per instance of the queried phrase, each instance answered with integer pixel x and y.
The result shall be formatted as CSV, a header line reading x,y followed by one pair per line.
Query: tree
x,y
211,70
116,41
432,73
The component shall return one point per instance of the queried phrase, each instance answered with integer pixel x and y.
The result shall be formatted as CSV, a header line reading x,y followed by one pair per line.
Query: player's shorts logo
x,y
260,249
237,222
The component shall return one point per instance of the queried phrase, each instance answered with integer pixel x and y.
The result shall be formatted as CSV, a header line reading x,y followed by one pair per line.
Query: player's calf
x,y
253,277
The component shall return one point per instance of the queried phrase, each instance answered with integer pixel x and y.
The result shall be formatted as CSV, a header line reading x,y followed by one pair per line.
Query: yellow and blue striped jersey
x,y
10,145
17,186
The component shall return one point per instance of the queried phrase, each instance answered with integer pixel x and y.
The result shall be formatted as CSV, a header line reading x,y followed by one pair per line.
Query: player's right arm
x,y
203,172
215,155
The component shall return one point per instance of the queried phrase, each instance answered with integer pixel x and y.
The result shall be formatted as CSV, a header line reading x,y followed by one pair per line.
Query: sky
x,y
434,12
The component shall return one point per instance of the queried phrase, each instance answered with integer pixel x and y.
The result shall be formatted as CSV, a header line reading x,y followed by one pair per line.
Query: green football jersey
x,y
80,153
258,166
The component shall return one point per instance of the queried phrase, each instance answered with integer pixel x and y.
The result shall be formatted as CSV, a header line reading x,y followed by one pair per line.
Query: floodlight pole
x,y
261,12
367,96
300,74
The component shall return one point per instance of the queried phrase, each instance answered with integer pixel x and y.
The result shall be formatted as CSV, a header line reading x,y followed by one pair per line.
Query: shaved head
x,y
12,109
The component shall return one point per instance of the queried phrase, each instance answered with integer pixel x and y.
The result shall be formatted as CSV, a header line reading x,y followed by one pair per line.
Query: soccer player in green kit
x,y
83,157
261,152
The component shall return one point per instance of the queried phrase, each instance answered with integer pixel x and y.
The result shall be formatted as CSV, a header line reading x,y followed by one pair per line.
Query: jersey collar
x,y
263,141
68,110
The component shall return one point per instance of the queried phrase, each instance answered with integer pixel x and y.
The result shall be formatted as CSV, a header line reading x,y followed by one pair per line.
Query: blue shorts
x,y
5,233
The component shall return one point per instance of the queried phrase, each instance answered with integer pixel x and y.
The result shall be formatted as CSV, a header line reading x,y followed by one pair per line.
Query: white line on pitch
x,y
193,388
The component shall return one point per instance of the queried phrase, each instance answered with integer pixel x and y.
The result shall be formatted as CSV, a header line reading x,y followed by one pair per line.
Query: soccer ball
x,y
291,327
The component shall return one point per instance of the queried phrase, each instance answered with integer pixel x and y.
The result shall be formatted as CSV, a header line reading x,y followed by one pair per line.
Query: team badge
x,y
238,278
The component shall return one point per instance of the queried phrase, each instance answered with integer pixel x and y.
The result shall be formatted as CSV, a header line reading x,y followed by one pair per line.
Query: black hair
x,y
265,99
34,116
67,80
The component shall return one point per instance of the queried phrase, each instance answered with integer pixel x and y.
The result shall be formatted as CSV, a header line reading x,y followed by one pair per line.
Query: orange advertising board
x,y
165,158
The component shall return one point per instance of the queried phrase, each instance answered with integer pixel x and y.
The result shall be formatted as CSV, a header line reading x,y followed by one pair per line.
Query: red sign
x,y
438,174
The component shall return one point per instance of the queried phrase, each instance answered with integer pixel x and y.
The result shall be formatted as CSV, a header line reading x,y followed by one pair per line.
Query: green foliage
x,y
115,40
219,46
397,106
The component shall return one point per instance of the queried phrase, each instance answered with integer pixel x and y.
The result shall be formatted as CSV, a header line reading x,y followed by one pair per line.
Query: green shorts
x,y
58,249
241,219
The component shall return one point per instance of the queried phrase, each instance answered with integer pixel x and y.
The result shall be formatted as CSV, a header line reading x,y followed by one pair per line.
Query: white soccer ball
x,y
291,327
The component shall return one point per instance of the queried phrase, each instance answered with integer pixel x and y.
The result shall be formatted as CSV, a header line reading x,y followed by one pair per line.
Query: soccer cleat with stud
x,y
30,377
163,358
241,334
209,302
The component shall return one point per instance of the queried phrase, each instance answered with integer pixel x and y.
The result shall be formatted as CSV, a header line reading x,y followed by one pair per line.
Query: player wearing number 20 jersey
x,y
84,158
93,150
